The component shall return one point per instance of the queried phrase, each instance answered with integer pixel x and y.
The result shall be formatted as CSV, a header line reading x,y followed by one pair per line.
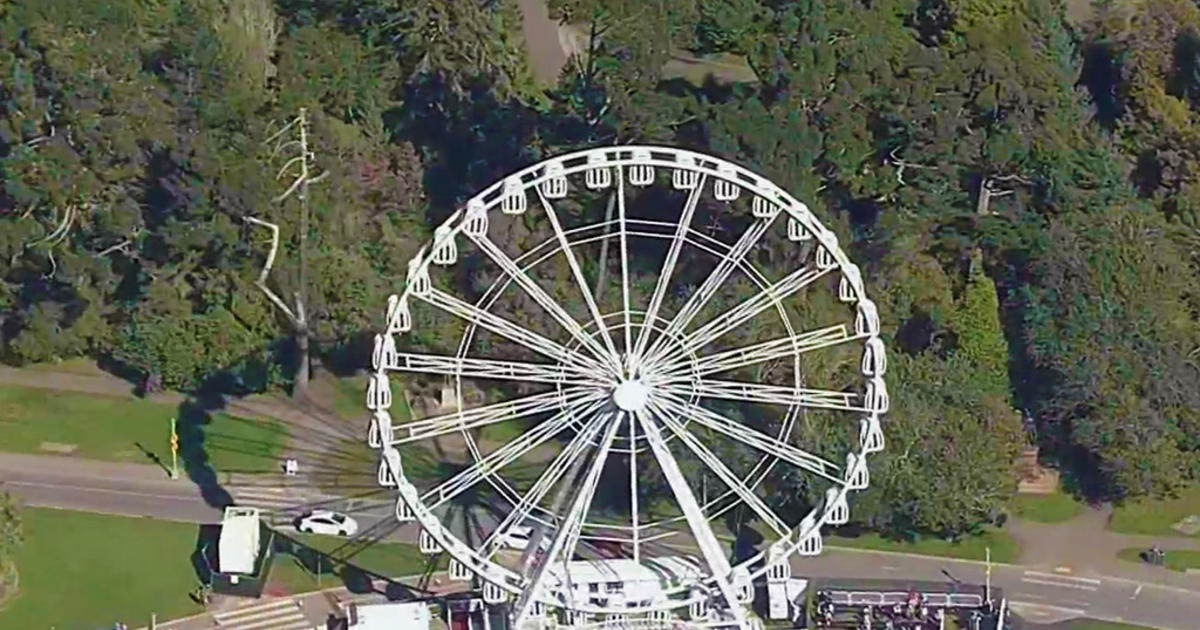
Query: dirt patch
x,y
58,447
1188,526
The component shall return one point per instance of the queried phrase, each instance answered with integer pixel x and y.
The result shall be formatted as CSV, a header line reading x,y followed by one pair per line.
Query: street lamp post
x,y
174,451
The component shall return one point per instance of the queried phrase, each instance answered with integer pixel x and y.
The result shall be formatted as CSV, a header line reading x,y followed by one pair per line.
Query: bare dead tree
x,y
292,137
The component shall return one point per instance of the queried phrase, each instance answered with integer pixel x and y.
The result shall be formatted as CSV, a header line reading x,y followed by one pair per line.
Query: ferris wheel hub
x,y
631,395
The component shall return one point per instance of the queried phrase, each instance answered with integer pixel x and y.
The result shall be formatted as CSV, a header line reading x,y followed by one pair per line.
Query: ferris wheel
x,y
643,400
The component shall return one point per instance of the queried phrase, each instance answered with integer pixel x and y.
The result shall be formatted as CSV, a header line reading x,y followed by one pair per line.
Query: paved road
x,y
1040,594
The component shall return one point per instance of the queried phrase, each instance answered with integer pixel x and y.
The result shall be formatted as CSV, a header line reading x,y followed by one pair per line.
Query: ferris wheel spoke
x,y
624,233
505,455
470,367
557,468
539,295
723,473
744,311
511,331
566,536
705,539
668,268
762,352
752,438
771,394
700,298
437,426
615,357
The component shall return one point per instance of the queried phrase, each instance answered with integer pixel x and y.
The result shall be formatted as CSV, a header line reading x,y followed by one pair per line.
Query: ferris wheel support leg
x,y
668,268
567,535
562,462
710,548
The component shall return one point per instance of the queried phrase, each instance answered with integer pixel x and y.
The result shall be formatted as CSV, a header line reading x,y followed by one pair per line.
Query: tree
x,y
11,538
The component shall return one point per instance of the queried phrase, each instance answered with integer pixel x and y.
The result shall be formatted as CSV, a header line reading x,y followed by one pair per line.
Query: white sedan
x,y
518,538
328,523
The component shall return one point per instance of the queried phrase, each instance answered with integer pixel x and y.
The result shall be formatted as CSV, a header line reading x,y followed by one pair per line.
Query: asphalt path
x,y
1039,595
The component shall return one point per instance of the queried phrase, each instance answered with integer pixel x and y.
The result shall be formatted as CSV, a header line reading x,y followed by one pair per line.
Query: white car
x,y
328,523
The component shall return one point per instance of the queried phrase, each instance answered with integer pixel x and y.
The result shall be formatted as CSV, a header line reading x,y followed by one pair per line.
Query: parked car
x,y
327,522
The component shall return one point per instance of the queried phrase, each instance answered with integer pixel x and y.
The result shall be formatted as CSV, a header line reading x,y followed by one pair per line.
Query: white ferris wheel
x,y
625,403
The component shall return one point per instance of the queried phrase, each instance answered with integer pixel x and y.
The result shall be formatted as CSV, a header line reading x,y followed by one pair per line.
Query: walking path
x,y
1085,544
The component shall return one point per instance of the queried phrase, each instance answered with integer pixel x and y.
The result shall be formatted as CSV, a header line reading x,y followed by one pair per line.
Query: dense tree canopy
x,y
1021,193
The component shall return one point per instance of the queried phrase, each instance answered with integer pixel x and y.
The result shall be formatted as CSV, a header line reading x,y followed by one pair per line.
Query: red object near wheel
x,y
609,548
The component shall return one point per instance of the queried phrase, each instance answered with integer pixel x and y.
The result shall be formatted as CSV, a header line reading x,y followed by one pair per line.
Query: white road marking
x,y
1136,592
1062,569
283,614
1046,609
1063,577
1082,587
889,568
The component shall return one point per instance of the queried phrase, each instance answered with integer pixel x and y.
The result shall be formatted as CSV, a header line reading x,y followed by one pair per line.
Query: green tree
x,y
11,538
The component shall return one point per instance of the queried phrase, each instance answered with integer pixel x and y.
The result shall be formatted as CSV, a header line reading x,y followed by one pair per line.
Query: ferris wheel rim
x,y
730,172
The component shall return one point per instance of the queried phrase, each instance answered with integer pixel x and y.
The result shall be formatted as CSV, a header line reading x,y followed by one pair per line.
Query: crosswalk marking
x,y
282,614
1062,581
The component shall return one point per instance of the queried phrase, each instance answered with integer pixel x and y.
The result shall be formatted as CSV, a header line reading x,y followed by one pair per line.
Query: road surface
x,y
1039,595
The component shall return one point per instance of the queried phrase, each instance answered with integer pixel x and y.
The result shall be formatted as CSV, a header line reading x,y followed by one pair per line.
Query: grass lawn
x,y
390,559
1177,560
350,400
126,430
1004,548
1154,517
1046,508
80,571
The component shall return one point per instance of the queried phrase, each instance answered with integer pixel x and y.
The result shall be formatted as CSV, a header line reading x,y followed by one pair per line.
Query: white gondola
x,y
427,543
876,396
379,392
459,572
513,199
404,513
398,316
445,252
870,434
763,208
641,174
683,178
555,184
725,188
598,174
849,285
857,475
836,507
874,361
811,542
866,319
493,594
825,258
475,223
384,355
418,277
796,230
389,467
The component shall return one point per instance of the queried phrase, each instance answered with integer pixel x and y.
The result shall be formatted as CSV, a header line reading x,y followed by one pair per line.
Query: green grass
x,y
1154,517
1177,560
1004,548
390,559
1046,508
128,430
80,571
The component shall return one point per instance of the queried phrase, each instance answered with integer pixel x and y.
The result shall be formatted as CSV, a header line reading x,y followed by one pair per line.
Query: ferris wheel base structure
x,y
634,394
